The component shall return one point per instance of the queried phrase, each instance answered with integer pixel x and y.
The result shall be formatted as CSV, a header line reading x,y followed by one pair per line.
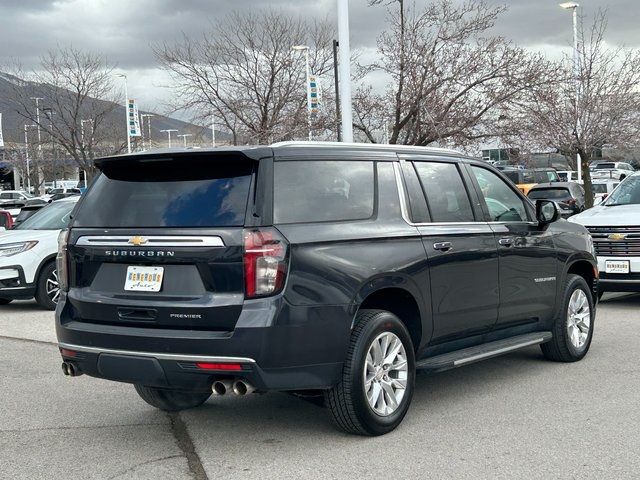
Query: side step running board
x,y
469,355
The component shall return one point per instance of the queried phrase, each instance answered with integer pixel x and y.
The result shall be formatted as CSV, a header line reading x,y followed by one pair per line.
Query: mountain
x,y
13,124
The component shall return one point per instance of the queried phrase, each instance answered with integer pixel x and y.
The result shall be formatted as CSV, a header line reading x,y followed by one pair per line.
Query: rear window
x,y
599,187
156,193
322,191
549,193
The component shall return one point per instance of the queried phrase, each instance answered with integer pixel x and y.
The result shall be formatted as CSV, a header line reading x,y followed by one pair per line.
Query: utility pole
x,y
143,116
26,149
168,132
336,44
37,100
213,131
49,114
305,49
345,71
184,137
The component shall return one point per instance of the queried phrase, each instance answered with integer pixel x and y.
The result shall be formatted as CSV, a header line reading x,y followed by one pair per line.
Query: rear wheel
x,y
48,288
573,326
378,376
5,301
171,400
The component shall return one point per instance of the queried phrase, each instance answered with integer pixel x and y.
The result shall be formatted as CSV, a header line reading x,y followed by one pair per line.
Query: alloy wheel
x,y
53,287
578,318
385,374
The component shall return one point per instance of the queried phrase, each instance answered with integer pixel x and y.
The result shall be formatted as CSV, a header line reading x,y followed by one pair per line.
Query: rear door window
x,y
447,196
207,193
322,191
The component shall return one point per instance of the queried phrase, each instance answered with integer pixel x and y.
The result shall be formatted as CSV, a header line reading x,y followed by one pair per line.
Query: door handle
x,y
506,242
443,246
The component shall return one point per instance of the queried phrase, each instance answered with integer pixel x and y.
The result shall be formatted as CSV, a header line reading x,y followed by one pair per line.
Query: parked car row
x,y
28,250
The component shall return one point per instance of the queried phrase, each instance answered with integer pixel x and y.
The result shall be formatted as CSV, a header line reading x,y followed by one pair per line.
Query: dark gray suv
x,y
330,269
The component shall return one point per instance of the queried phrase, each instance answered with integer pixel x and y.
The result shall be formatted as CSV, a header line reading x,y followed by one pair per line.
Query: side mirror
x,y
546,212
604,196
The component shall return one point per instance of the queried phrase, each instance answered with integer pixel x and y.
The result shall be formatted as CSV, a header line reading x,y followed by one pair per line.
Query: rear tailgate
x,y
183,218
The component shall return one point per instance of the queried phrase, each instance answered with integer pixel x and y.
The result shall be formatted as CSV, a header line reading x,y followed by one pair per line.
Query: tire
x,y
568,343
47,290
172,400
347,401
5,301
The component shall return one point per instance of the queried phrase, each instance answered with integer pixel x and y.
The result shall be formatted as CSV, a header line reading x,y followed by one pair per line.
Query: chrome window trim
x,y
152,241
159,356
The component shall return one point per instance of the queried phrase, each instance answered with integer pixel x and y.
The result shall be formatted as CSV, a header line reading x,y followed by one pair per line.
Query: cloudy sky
x,y
125,29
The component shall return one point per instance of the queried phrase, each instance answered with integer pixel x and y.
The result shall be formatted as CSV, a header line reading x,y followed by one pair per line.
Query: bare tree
x,y
245,73
448,78
77,103
605,111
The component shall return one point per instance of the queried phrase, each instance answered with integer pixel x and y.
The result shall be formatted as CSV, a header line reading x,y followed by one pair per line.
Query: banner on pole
x,y
133,119
315,94
1,139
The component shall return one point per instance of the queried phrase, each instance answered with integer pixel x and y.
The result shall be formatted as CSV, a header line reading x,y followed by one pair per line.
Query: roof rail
x,y
382,146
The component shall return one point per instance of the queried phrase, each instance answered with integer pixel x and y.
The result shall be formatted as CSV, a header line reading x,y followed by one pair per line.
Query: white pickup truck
x,y
611,170
615,228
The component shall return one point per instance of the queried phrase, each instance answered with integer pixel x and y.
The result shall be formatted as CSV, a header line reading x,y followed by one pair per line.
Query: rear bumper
x,y
303,350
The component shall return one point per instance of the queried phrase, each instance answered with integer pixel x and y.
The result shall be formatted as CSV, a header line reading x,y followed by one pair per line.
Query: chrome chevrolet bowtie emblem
x,y
137,241
616,237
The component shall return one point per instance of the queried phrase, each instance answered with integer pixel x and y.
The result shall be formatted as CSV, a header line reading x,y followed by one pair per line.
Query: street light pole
x,y
573,6
213,131
168,132
345,71
305,49
126,109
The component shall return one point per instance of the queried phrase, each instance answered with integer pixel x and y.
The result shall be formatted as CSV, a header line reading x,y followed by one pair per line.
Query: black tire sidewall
x,y
577,283
5,301
374,423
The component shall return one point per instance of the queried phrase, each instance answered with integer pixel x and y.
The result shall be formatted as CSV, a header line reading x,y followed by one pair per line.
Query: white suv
x,y
615,228
28,253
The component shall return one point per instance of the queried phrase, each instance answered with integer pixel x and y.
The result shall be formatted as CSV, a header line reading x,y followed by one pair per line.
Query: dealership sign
x,y
133,119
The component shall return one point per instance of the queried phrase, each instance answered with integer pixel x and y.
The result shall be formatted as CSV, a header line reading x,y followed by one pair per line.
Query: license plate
x,y
144,279
616,266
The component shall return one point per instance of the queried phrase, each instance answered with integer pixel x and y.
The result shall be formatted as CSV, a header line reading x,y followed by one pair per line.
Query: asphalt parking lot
x,y
517,416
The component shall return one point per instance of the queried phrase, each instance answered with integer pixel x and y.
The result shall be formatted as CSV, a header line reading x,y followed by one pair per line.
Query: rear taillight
x,y
62,264
265,262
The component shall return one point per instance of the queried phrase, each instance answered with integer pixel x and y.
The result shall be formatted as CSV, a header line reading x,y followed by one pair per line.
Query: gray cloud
x,y
124,29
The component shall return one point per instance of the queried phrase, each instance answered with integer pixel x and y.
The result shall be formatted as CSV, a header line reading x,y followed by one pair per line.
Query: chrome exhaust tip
x,y
70,370
221,387
241,387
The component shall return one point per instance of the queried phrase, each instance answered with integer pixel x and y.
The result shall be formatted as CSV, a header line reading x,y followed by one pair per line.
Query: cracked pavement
x,y
511,417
